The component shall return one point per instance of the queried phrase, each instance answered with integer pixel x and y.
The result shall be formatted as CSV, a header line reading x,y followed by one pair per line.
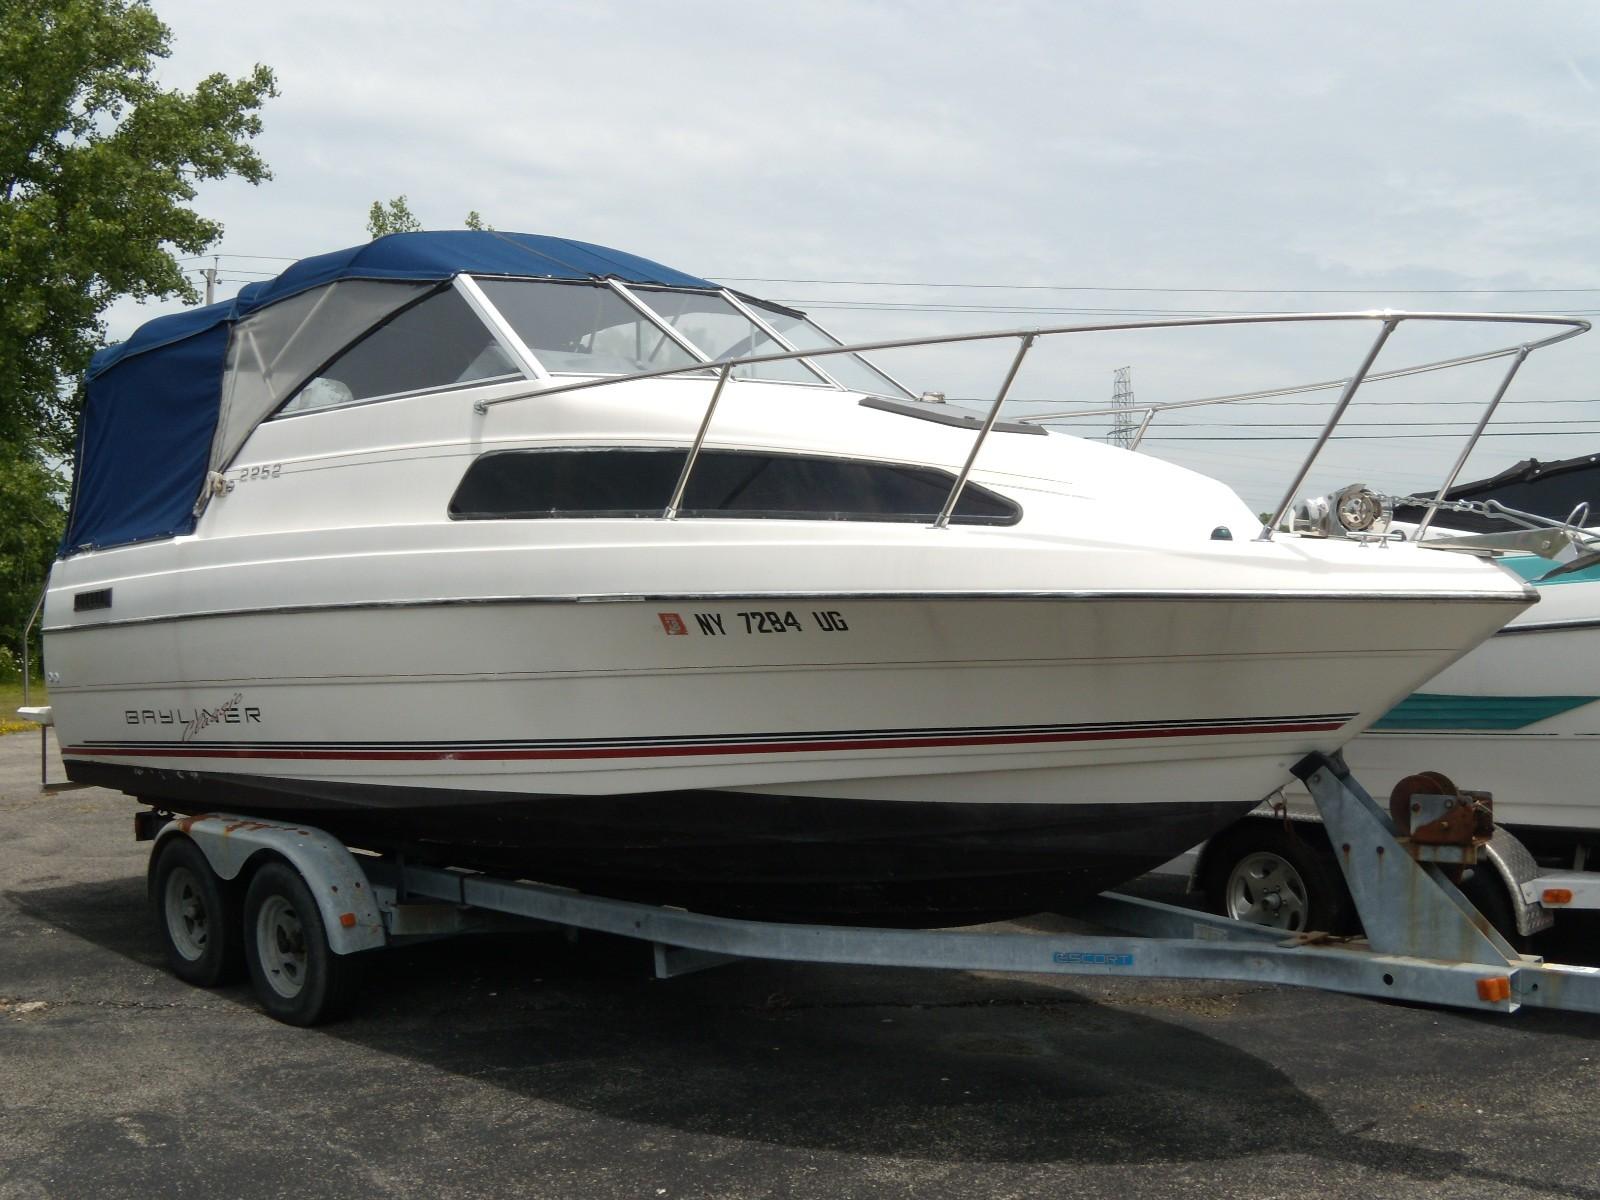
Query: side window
x,y
435,343
618,482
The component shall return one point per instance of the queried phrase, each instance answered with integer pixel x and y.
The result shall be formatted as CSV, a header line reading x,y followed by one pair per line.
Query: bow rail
x,y
1388,321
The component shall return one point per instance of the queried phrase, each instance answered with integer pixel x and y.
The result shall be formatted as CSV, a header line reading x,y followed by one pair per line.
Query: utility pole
x,y
1122,423
211,280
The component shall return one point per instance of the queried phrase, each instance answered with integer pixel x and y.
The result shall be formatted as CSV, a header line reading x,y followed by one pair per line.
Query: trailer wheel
x,y
298,978
197,915
1487,891
1262,874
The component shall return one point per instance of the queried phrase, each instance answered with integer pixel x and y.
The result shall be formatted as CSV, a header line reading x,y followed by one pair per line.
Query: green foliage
x,y
97,166
395,217
31,502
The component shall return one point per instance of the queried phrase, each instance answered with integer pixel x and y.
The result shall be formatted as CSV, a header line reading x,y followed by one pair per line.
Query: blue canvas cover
x,y
144,442
151,402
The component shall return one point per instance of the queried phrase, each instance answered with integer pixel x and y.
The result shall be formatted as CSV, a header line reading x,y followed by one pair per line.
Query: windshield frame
x,y
469,287
747,304
640,296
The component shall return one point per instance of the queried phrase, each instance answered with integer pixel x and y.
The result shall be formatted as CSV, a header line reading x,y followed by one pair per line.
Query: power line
x,y
1362,437
230,254
1320,424
1376,289
1359,402
913,307
1232,291
1450,428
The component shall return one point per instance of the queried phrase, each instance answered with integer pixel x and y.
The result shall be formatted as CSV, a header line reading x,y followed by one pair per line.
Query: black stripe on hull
x,y
702,744
745,854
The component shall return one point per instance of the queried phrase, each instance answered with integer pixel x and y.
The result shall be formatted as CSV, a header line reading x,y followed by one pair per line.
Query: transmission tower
x,y
1123,424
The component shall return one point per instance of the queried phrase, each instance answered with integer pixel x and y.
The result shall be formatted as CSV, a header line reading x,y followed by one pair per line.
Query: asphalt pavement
x,y
528,1065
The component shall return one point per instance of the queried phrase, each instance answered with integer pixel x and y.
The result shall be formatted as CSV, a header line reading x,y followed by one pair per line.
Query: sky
x,y
1219,158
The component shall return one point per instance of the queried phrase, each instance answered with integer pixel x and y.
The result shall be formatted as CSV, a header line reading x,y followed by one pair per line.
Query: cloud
x,y
1255,144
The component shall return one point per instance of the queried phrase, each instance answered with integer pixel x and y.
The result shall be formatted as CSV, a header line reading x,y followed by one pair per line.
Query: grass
x,y
11,698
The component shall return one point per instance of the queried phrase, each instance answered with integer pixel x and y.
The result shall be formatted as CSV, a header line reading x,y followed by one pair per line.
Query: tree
x,y
395,217
98,166
32,526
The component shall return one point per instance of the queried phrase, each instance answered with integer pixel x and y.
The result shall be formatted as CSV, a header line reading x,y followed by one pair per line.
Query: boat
x,y
1519,716
518,553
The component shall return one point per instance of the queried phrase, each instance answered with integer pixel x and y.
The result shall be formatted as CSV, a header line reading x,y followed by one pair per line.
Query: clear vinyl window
x,y
437,342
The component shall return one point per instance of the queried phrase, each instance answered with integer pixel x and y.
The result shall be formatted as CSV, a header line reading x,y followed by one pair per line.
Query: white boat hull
x,y
509,696
1518,717
1085,737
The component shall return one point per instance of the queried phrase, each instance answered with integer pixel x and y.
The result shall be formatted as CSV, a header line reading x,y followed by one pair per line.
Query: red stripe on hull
x,y
604,752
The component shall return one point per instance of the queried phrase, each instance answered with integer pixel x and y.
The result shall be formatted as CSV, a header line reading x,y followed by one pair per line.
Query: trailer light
x,y
1494,988
348,920
1556,896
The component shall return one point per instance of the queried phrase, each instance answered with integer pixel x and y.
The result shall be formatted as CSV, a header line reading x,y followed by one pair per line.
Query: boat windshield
x,y
583,328
720,331
851,370
600,329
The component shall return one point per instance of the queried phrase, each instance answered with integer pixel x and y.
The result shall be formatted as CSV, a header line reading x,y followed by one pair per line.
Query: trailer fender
x,y
344,896
1507,856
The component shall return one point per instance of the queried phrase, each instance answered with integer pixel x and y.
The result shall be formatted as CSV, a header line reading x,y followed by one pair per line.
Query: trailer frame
x,y
1424,941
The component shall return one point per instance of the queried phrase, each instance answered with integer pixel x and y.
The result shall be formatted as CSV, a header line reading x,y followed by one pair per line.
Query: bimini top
x,y
178,398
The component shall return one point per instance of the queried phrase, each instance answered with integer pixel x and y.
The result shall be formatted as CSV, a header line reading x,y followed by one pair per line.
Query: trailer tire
x,y
1487,891
298,978
1262,873
197,915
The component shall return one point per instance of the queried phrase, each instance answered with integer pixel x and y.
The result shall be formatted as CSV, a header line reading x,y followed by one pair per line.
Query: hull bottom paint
x,y
778,857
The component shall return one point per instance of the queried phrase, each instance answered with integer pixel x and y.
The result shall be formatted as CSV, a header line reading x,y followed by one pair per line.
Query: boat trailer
x,y
313,908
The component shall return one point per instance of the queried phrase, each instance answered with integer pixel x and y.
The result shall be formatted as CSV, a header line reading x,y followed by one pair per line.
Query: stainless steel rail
x,y
1349,394
27,633
694,451
994,412
1461,459
1299,389
1390,320
27,676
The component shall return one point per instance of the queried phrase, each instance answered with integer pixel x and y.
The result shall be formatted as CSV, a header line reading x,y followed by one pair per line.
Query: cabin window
x,y
721,331
851,370
583,329
438,342
634,482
